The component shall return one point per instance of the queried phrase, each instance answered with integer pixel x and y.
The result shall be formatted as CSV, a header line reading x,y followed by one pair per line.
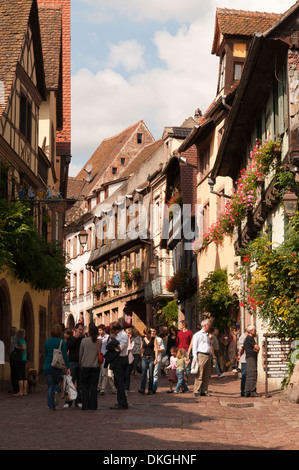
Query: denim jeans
x,y
53,377
147,365
156,372
181,381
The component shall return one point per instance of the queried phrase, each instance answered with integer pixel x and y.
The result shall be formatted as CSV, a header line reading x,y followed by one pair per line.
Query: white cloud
x,y
128,54
105,103
161,11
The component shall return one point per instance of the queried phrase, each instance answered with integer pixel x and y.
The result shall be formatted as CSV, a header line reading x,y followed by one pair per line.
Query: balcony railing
x,y
156,289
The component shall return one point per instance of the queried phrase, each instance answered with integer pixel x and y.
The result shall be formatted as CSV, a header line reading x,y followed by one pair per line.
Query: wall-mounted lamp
x,y
290,202
83,237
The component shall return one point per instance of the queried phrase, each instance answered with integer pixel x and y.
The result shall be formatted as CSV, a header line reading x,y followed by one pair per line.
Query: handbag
x,y
58,360
16,355
100,354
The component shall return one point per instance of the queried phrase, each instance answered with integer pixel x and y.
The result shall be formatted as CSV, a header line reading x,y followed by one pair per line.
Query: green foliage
x,y
169,313
25,253
272,276
215,298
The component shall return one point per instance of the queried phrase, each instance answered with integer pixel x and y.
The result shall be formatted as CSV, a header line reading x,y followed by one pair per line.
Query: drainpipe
x,y
242,308
225,103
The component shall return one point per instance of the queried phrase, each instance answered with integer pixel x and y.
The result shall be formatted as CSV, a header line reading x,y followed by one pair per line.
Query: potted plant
x,y
99,287
126,277
135,274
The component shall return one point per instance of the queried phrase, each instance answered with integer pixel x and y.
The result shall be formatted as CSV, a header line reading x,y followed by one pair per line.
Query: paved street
x,y
223,421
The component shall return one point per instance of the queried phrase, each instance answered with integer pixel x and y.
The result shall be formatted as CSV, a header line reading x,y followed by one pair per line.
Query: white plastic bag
x,y
69,390
194,366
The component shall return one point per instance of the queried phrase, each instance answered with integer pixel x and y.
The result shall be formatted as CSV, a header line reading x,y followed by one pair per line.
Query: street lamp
x,y
83,236
152,269
290,202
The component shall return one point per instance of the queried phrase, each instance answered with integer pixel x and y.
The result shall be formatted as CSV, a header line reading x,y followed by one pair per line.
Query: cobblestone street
x,y
223,421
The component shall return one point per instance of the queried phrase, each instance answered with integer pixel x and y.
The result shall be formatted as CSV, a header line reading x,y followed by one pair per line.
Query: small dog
x,y
32,380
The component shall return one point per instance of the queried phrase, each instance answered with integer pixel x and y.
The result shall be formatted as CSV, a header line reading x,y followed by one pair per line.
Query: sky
x,y
144,60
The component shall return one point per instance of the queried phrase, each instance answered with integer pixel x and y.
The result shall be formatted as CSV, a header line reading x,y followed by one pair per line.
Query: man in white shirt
x,y
106,374
202,349
120,367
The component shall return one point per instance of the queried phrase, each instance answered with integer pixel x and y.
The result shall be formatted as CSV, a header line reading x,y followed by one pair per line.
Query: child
x,y
172,366
180,371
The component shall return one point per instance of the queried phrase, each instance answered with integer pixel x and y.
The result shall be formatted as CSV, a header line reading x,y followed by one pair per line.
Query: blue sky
x,y
143,59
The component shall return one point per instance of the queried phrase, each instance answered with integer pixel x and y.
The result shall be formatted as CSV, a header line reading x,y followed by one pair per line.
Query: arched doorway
x,y
27,323
5,316
70,322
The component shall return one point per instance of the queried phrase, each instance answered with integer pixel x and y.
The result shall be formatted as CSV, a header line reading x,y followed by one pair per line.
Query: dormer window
x,y
222,72
25,118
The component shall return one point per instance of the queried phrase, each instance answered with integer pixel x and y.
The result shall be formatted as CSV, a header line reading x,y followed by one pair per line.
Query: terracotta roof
x,y
143,155
50,18
74,187
241,23
13,26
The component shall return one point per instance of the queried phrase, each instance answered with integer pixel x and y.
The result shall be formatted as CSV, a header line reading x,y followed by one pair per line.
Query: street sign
x,y
275,357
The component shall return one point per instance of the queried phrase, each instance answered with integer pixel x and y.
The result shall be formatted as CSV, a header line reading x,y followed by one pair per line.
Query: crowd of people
x,y
103,359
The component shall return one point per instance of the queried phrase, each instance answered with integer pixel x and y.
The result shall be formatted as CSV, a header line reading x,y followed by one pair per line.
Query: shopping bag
x,y
194,366
69,390
58,361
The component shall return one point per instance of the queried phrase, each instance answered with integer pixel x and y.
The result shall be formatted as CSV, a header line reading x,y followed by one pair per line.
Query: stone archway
x,y
5,316
27,323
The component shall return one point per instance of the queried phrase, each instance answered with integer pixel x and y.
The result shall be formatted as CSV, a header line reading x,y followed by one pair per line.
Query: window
x,y
114,170
204,160
81,282
122,161
25,118
222,72
139,138
206,217
237,71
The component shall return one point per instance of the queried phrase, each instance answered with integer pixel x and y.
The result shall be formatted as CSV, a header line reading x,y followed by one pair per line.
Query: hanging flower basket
x,y
126,277
99,287
175,199
135,274
178,281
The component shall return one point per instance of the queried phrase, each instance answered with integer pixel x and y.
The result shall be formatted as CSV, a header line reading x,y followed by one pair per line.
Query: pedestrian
x,y
73,347
172,377
106,377
21,365
181,361
129,332
202,349
215,344
136,349
251,350
149,354
90,369
183,340
242,361
157,367
120,366
52,374
171,340
13,368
